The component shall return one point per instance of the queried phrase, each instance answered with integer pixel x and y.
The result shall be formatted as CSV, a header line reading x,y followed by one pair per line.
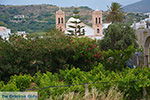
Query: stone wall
x,y
143,39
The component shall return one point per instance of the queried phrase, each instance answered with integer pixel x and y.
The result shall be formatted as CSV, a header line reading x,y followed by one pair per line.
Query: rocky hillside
x,y
141,6
35,18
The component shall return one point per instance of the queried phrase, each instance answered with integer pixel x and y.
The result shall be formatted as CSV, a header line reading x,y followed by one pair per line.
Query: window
x,y
98,31
99,20
62,20
58,20
83,31
60,29
96,20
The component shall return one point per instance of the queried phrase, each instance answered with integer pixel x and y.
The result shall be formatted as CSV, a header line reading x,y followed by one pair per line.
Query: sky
x,y
94,4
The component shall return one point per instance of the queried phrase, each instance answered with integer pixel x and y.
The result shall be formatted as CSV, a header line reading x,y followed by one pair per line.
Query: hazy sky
x,y
95,4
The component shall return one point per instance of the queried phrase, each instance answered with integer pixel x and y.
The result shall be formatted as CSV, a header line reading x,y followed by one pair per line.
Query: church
x,y
95,31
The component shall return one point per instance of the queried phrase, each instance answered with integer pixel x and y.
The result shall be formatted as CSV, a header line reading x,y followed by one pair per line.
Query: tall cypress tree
x,y
77,27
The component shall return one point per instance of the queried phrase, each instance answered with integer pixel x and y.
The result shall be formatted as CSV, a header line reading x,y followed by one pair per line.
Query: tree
x,y
118,37
115,60
77,27
51,52
115,13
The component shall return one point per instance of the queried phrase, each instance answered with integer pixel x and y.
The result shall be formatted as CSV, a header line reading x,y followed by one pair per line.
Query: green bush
x,y
116,59
51,53
22,82
9,87
1,84
58,60
131,82
48,79
86,53
118,36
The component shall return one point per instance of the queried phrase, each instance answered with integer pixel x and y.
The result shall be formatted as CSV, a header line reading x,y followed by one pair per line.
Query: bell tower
x,y
60,20
97,22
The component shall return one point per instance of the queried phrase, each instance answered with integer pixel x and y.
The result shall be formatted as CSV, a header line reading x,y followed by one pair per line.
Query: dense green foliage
x,y
130,81
118,36
116,59
51,53
54,51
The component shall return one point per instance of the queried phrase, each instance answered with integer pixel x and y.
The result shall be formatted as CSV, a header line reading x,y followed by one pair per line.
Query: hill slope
x,y
141,6
36,18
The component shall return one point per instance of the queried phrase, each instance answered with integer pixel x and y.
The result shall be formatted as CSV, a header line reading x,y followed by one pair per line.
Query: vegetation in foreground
x,y
129,82
54,51
112,94
57,60
36,62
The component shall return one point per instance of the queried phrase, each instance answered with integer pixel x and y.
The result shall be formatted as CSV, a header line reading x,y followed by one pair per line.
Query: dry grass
x,y
112,94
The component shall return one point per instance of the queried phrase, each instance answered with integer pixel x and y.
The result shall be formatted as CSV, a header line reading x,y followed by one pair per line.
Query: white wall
x,y
5,33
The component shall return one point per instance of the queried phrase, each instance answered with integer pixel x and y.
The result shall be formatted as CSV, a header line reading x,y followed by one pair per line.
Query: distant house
x,y
143,24
148,14
19,16
22,33
139,25
4,32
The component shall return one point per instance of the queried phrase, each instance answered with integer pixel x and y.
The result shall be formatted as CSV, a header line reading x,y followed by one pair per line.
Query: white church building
x,y
94,32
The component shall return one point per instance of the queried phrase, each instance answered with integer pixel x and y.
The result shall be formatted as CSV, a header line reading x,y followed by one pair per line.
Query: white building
x,y
105,25
4,32
22,33
139,25
143,24
88,30
19,16
95,31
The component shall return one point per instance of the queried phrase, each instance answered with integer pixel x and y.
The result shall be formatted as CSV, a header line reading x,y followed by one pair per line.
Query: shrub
x,y
22,82
116,59
119,36
45,80
9,87
50,53
86,53
130,82
1,84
